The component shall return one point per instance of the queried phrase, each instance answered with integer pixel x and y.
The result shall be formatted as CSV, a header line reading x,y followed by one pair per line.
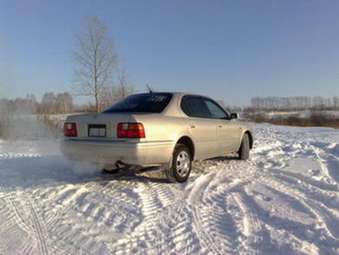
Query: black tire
x,y
111,171
174,173
244,151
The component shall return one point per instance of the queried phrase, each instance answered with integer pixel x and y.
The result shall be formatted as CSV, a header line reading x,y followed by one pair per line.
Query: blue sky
x,y
230,50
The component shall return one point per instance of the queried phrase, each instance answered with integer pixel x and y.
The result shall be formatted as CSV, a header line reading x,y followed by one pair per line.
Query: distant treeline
x,y
59,103
314,119
26,117
295,103
50,103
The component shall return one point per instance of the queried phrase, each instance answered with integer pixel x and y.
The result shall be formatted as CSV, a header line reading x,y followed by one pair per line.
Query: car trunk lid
x,y
98,125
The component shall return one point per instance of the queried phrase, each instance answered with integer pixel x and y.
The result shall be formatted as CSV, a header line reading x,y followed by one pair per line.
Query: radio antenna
x,y
149,88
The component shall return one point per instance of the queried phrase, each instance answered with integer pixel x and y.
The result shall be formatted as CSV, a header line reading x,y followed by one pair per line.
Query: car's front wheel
x,y
181,164
244,151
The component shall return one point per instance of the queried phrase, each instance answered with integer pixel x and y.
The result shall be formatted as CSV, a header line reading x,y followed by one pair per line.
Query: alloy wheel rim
x,y
183,163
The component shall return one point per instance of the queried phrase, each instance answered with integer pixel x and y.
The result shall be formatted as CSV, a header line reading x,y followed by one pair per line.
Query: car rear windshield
x,y
143,103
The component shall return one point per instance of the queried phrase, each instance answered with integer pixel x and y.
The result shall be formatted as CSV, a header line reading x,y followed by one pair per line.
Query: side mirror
x,y
234,115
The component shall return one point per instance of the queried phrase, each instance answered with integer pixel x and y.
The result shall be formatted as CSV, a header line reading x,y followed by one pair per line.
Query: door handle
x,y
192,126
220,126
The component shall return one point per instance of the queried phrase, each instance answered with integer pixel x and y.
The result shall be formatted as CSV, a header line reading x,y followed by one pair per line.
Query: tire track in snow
x,y
14,238
41,232
11,206
315,190
261,231
20,221
215,227
313,207
166,222
251,227
111,216
66,218
194,195
329,217
30,223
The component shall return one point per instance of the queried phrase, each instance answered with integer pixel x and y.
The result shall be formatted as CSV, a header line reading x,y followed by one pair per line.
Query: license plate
x,y
95,130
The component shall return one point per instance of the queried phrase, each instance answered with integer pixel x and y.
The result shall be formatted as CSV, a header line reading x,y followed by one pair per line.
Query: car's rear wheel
x,y
181,164
244,151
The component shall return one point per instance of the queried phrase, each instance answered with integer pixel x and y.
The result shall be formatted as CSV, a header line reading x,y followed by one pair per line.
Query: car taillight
x,y
70,129
130,130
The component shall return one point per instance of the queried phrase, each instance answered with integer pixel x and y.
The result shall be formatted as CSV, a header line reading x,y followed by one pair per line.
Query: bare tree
x,y
335,103
106,98
64,103
48,103
122,88
95,60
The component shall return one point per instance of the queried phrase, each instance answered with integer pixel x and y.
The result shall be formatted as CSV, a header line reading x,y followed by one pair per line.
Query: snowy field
x,y
285,200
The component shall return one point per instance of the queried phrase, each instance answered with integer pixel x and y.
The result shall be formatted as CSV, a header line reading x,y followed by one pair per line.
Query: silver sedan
x,y
156,129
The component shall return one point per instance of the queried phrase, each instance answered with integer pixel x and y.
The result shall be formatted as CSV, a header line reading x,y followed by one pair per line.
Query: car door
x,y
228,132
202,127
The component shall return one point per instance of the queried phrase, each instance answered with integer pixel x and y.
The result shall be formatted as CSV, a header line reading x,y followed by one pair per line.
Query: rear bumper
x,y
132,153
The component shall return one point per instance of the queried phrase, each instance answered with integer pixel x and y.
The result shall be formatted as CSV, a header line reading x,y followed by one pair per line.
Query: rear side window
x,y
195,106
142,103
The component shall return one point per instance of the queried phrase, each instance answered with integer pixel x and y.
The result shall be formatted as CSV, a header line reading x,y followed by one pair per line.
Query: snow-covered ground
x,y
285,200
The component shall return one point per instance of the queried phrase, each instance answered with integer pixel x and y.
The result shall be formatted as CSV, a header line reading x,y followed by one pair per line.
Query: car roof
x,y
177,93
